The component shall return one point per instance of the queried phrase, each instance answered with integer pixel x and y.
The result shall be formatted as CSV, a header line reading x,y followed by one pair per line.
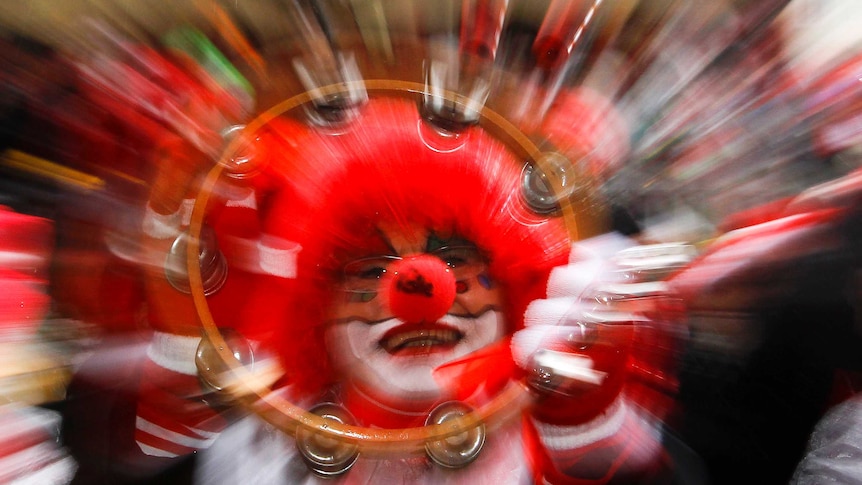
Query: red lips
x,y
420,339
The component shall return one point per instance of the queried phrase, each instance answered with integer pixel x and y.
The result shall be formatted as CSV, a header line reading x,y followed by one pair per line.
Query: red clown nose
x,y
420,289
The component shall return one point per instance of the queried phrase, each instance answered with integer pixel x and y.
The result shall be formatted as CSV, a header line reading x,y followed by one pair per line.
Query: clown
x,y
392,267
391,348
399,284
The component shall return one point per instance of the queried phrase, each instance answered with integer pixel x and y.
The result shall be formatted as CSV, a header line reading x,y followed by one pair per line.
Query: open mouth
x,y
417,341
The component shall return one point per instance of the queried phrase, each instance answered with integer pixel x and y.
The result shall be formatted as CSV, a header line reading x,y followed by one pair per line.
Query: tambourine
x,y
326,436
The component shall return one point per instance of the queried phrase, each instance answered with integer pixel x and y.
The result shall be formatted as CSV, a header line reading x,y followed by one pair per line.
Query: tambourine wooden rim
x,y
276,409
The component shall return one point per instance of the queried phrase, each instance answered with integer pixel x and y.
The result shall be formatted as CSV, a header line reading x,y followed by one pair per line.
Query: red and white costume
x,y
325,195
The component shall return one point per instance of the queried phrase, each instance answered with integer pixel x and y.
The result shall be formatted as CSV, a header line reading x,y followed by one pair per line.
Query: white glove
x,y
558,322
607,282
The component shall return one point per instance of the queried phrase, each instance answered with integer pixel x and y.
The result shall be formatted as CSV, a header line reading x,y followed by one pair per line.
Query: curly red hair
x,y
336,190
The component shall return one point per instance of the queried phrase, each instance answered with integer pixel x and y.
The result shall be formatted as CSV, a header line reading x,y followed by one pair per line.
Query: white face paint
x,y
393,362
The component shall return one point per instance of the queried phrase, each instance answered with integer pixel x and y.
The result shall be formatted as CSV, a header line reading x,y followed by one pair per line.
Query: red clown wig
x,y
337,187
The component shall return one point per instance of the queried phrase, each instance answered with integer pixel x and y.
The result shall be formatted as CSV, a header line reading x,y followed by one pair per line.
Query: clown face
x,y
389,356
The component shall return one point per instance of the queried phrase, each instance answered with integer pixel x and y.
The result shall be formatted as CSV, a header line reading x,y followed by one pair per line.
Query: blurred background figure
x,y
34,373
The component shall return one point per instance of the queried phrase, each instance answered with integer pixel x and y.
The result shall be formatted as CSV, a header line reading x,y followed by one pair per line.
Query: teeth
x,y
420,338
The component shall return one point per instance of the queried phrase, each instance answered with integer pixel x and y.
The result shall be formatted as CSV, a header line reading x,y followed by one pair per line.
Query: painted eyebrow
x,y
434,242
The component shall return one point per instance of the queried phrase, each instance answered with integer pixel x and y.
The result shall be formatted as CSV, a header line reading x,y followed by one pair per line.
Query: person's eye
x,y
371,273
455,262
363,274
458,257
361,296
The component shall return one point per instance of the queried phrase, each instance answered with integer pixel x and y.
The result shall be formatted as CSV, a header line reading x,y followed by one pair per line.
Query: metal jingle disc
x,y
245,162
461,449
326,456
563,373
212,369
213,265
447,116
333,111
538,191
